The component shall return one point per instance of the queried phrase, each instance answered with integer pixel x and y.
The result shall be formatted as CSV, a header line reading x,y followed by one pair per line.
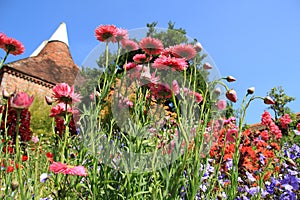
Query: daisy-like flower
x,y
121,34
186,51
60,110
21,101
64,93
151,45
58,167
141,58
11,45
165,63
129,45
106,33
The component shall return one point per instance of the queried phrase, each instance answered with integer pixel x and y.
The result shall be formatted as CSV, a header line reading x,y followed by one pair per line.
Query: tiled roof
x,y
53,64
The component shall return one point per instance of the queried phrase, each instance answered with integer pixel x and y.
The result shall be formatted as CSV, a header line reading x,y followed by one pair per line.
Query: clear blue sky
x,y
256,41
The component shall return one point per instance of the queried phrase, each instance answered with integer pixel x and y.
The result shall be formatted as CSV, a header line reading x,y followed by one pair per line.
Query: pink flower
x,y
198,97
166,63
268,100
231,135
58,167
221,104
231,95
285,120
129,45
298,126
151,45
130,66
266,118
35,139
141,58
207,66
64,93
175,87
186,51
60,110
21,101
106,33
121,34
11,45
265,135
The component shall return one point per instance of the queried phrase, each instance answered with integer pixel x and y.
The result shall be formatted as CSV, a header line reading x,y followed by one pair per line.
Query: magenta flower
x,y
58,167
130,66
186,51
64,93
129,45
141,58
106,33
21,100
60,110
151,45
165,63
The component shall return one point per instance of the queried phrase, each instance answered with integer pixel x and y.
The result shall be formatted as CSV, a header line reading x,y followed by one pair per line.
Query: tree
x,y
281,100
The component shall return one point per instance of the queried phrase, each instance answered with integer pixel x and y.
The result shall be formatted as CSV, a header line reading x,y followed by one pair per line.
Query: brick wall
x,y
23,83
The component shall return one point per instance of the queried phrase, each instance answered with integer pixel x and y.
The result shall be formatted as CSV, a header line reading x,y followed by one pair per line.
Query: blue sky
x,y
256,41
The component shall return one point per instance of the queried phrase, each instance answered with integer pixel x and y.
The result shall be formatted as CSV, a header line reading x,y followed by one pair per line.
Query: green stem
x,y
4,59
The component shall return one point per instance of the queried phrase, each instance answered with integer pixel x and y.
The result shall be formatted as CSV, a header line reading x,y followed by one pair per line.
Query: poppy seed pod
x,y
230,79
250,90
268,100
231,95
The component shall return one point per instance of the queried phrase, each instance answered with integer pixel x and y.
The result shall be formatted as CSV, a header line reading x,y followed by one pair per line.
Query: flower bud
x,y
268,100
231,95
207,66
250,90
198,47
49,100
217,91
5,94
230,79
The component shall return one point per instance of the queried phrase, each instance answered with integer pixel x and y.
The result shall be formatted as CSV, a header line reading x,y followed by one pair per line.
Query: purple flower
x,y
262,158
288,195
250,177
229,164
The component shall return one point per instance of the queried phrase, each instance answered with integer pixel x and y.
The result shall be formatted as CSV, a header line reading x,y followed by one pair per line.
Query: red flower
x,y
24,158
129,45
166,63
106,33
186,51
60,110
231,95
11,45
58,167
130,66
49,156
10,169
151,45
64,93
21,101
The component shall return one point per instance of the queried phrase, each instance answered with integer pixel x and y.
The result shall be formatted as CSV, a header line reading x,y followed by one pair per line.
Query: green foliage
x,y
281,100
41,123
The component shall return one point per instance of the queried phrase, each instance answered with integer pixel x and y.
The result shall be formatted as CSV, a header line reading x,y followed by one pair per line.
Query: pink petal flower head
x,y
121,34
2,40
231,95
11,45
198,97
151,45
268,100
21,100
64,93
207,66
198,47
186,51
130,66
175,87
165,63
285,120
58,167
35,139
129,45
221,104
141,58
60,110
106,33
230,79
